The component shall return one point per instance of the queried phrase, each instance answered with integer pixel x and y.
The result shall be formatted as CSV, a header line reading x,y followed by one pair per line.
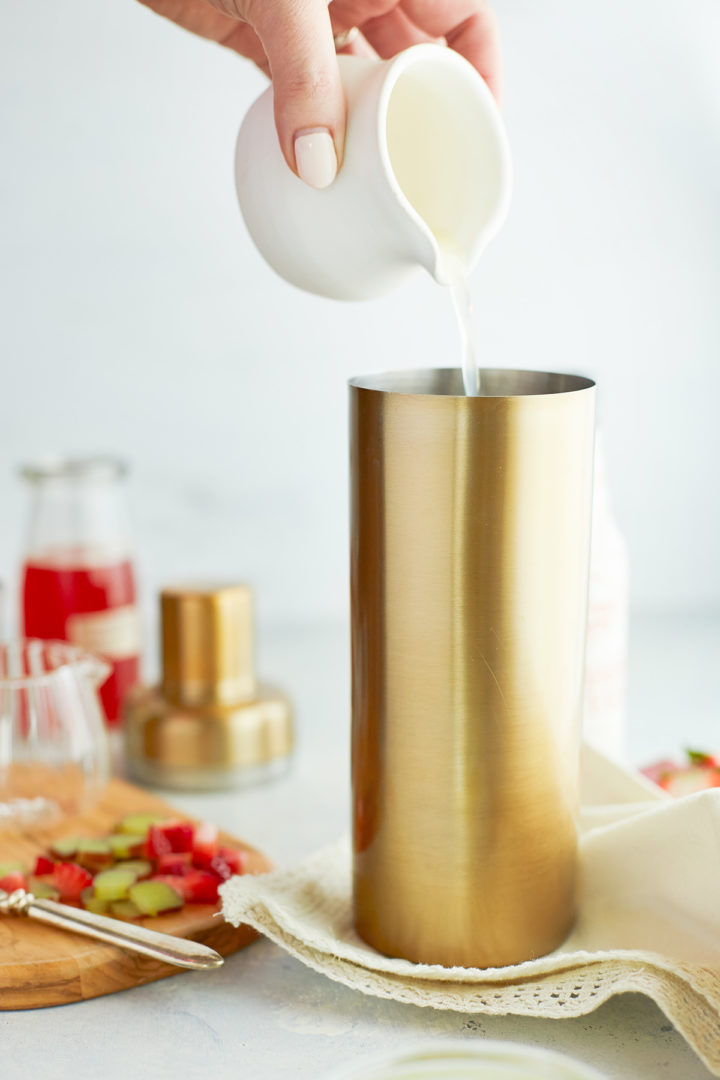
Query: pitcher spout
x,y
447,156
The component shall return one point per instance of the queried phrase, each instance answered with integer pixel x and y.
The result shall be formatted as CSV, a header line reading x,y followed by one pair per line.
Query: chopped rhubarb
x,y
659,769
42,890
200,887
169,838
94,855
137,824
125,909
689,781
93,903
155,897
227,862
43,865
70,879
148,865
702,773
142,868
113,884
205,845
8,867
12,881
64,850
127,845
700,757
195,886
174,863
175,881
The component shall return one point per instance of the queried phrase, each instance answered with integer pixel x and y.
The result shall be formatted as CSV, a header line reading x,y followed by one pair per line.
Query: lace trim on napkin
x,y
651,874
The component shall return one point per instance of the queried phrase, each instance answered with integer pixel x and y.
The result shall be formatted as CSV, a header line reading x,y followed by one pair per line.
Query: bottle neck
x,y
77,522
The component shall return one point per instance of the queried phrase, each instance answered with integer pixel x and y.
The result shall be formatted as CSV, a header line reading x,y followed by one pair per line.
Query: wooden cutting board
x,y
40,965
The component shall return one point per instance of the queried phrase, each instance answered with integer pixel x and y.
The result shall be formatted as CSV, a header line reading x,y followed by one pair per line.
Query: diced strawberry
x,y
205,845
227,862
174,863
170,837
43,865
70,879
15,880
195,886
690,780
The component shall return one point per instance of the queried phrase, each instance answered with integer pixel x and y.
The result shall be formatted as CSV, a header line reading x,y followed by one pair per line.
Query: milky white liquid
x,y
431,157
456,276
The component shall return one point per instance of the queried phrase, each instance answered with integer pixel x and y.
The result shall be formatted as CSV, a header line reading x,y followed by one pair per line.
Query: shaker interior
x,y
498,382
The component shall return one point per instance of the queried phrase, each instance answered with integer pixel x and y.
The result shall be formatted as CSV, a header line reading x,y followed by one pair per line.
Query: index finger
x,y
469,27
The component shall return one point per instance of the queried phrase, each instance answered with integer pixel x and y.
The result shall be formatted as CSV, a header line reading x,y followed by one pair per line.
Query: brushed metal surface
x,y
470,534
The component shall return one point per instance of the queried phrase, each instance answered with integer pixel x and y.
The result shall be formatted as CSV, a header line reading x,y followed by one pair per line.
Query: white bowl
x,y
468,1060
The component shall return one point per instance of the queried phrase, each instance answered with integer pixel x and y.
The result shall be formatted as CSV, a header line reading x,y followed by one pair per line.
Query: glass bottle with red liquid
x,y
78,581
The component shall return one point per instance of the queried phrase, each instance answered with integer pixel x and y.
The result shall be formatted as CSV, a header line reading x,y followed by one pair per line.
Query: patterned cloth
x,y
649,919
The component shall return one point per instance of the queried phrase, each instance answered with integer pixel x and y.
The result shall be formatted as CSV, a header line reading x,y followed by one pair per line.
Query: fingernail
x,y
315,157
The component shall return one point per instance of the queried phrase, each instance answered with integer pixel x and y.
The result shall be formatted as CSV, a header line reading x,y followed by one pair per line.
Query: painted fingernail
x,y
345,38
315,157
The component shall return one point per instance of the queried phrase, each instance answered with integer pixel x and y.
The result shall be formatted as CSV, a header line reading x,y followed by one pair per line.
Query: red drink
x,y
92,606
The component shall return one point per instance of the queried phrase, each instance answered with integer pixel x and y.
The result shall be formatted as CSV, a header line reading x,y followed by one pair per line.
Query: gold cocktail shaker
x,y
470,535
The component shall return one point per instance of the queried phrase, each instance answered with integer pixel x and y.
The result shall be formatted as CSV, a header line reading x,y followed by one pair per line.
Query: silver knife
x,y
165,947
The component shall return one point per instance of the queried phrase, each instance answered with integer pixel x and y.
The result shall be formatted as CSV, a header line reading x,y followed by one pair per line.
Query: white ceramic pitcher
x,y
426,169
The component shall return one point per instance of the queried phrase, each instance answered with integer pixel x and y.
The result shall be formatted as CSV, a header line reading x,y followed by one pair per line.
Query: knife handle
x,y
165,947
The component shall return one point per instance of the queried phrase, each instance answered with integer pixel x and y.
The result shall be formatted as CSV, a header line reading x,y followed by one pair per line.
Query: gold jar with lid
x,y
209,724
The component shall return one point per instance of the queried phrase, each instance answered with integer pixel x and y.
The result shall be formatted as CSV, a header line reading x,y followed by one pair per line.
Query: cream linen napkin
x,y
649,919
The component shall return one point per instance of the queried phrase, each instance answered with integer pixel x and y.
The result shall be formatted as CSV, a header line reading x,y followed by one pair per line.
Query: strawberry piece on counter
x,y
70,879
12,881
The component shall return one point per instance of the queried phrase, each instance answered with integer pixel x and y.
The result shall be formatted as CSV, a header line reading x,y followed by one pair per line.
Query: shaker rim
x,y
447,382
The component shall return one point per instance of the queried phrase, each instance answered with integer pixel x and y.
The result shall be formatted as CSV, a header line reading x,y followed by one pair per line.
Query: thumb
x,y
309,103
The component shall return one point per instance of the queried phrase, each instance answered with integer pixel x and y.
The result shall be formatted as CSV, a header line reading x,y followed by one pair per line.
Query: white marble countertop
x,y
264,1015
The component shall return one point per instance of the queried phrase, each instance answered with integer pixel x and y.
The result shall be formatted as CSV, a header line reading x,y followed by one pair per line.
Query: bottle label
x,y
114,634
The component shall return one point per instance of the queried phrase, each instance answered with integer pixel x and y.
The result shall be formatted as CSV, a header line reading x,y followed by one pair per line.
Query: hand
x,y
292,42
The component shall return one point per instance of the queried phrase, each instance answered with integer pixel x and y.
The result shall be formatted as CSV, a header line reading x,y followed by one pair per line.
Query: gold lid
x,y
207,645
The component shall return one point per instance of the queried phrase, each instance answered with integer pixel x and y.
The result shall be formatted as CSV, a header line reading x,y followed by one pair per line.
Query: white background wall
x,y
136,318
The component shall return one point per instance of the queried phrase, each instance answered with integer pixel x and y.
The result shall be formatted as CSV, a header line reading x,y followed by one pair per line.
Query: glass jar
x,y
53,749
78,580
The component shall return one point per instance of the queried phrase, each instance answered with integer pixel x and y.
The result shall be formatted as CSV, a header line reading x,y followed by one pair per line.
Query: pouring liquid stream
x,y
456,275
460,295
433,164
